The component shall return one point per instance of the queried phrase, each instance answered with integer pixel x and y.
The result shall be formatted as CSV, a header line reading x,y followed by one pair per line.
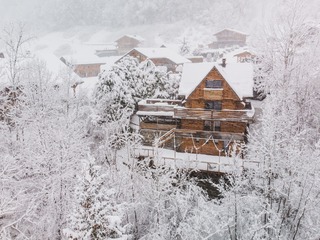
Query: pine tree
x,y
184,48
95,215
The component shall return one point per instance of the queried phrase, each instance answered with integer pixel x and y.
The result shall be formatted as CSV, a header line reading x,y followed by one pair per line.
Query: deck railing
x,y
207,114
193,162
172,108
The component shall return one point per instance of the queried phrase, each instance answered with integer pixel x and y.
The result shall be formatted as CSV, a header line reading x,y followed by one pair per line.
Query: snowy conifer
x,y
184,48
95,214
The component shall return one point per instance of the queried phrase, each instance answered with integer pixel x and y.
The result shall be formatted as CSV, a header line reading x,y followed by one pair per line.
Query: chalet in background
x,y
161,57
121,46
213,111
128,42
195,59
84,67
229,38
108,50
244,56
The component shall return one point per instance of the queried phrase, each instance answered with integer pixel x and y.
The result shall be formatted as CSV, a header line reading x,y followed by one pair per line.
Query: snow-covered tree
x,y
119,91
15,41
128,82
95,214
184,48
42,151
282,190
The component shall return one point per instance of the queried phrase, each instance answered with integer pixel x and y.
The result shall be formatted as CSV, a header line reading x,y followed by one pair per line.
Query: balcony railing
x,y
207,114
173,109
187,133
207,134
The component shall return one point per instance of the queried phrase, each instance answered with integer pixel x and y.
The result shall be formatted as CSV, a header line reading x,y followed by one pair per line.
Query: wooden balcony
x,y
157,107
173,108
245,115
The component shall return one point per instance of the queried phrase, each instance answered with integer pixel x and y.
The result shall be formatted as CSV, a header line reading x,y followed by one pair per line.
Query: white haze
x,y
56,15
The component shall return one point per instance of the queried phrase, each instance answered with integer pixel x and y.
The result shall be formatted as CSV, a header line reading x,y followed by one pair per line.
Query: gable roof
x,y
136,37
243,52
231,30
238,75
78,59
153,53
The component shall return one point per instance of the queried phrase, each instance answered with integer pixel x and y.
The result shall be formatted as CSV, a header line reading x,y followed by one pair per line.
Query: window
x,y
217,126
215,105
212,126
207,125
213,84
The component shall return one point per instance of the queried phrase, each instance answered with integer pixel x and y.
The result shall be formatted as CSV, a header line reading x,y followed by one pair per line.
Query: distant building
x,y
107,50
86,66
128,42
229,38
195,59
161,57
244,56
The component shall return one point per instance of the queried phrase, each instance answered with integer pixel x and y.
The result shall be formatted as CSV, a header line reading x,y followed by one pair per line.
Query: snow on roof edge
x,y
230,29
238,75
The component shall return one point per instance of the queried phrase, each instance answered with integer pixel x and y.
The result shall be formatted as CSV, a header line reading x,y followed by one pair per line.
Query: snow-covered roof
x,y
230,55
52,62
106,47
153,53
238,75
192,75
110,62
85,59
243,52
138,38
232,30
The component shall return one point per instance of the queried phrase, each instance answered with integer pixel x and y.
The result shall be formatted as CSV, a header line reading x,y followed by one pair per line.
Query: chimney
x,y
224,64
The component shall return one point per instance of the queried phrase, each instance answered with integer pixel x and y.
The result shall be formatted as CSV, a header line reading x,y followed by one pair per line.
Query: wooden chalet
x,y
228,38
213,111
244,56
84,66
161,57
128,42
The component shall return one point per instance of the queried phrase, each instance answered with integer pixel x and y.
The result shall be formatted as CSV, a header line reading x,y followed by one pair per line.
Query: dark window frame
x,y
212,126
213,105
211,83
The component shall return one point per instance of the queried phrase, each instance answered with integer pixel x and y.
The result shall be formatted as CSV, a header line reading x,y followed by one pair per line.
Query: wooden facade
x,y
84,69
88,70
229,38
207,121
